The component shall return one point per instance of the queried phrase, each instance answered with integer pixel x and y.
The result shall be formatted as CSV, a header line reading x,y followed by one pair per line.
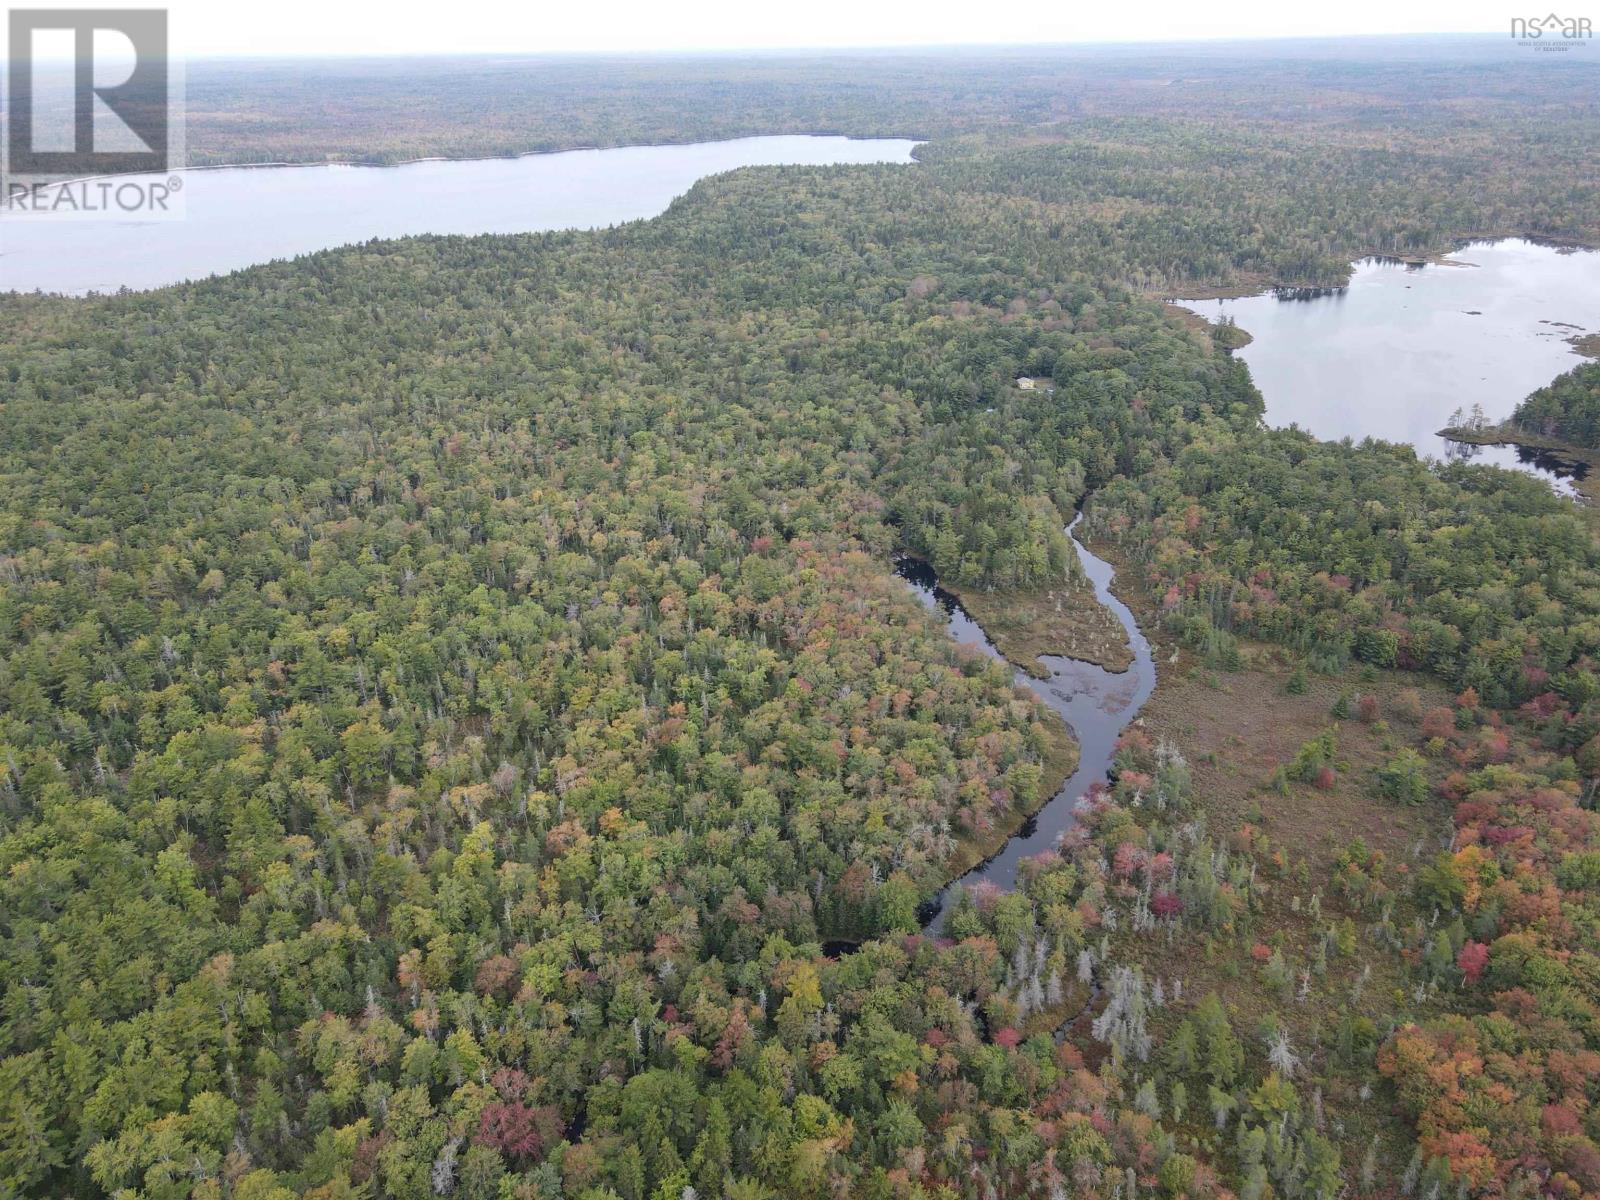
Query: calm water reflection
x,y
235,218
1398,351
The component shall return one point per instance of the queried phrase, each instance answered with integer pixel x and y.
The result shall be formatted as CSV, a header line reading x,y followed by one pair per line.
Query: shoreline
x,y
1585,344
1253,284
1237,339
1065,763
1564,454
1058,765
1012,622
514,157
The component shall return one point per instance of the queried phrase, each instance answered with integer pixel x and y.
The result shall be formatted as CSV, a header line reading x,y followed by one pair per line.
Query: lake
x,y
236,217
1395,353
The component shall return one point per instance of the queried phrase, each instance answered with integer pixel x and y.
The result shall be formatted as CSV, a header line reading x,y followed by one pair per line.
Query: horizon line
x,y
854,49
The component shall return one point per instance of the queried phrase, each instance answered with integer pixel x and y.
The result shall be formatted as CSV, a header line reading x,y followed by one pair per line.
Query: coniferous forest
x,y
461,733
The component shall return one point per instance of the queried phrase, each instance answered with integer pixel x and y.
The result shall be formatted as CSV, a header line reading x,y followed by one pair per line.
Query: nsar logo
x,y
1552,31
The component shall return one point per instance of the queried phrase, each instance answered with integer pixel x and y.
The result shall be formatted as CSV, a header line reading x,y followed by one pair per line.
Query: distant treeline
x,y
1285,160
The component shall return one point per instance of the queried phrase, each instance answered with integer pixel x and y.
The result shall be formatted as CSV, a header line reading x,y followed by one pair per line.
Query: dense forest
x,y
1568,409
460,734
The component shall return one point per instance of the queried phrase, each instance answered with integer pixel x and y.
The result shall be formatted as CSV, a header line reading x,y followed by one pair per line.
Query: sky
x,y
206,28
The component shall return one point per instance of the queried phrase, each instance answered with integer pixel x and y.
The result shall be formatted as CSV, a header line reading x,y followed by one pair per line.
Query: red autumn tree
x,y
517,1131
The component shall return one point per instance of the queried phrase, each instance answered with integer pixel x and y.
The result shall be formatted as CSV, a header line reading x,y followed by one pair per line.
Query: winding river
x,y
1096,704
1390,356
